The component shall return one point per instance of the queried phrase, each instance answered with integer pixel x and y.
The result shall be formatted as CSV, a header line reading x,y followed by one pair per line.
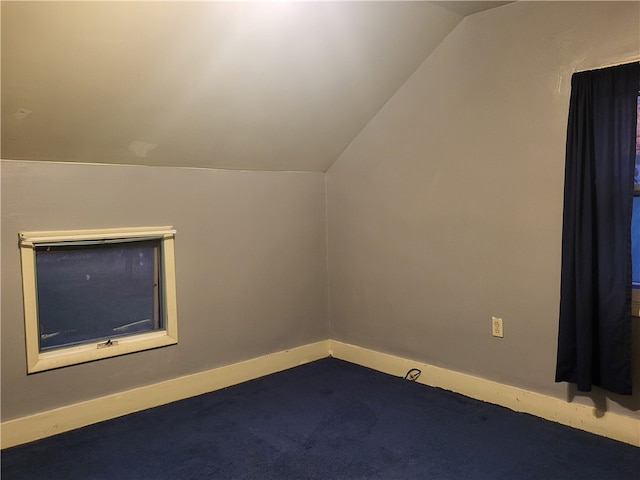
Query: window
x,y
635,226
94,294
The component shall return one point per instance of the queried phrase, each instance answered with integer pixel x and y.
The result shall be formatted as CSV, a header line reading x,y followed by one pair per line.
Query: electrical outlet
x,y
496,327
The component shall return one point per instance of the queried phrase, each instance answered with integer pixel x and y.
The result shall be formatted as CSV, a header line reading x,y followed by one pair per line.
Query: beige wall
x,y
265,85
250,261
447,208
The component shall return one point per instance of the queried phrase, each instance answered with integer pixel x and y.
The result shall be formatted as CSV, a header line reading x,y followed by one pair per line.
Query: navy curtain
x,y
594,340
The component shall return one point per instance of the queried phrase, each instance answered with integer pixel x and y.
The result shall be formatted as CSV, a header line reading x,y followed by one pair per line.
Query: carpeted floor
x,y
326,420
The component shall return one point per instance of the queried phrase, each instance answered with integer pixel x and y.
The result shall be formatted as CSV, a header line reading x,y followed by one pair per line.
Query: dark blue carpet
x,y
326,420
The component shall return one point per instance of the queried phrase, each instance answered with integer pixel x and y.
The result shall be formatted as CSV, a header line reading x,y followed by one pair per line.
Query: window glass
x,y
94,292
638,143
635,218
635,241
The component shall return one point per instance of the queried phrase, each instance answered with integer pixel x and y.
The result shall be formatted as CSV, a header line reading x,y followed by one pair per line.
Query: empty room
x,y
320,240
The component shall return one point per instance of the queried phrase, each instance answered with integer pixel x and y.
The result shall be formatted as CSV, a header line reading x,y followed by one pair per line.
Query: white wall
x,y
447,208
250,262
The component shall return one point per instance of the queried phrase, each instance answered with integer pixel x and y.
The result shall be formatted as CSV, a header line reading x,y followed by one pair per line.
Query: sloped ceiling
x,y
237,85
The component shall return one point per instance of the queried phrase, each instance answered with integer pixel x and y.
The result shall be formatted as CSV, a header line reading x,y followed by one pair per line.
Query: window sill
x,y
97,351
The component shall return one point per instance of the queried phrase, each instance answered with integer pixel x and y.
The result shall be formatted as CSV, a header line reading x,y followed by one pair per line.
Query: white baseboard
x,y
44,424
611,425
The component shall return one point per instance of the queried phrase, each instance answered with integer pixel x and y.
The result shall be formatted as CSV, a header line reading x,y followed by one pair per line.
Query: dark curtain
x,y
594,340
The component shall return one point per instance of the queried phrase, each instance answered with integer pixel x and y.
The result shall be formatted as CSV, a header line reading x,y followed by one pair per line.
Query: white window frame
x,y
38,361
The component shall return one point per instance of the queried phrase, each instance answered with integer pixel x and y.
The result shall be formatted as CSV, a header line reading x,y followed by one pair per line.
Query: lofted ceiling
x,y
236,85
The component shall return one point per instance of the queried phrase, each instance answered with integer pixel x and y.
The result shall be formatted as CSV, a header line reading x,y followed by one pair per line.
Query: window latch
x,y
108,343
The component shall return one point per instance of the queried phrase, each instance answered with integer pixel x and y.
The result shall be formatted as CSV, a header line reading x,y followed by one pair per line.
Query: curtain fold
x,y
594,337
